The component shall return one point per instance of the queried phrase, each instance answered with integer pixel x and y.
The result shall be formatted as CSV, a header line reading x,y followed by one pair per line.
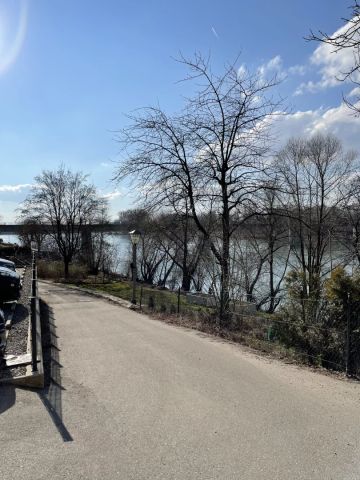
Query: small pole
x,y
33,335
133,299
33,260
178,301
141,294
135,236
347,351
34,280
33,287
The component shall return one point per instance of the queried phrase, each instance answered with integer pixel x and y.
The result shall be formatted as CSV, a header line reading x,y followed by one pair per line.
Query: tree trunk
x,y
186,281
271,308
224,294
66,268
225,270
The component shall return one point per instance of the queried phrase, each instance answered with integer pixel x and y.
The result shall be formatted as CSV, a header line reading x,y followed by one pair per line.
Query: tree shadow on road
x,y
51,395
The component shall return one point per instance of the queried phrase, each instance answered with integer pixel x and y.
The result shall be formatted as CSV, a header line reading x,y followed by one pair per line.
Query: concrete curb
x,y
33,380
36,379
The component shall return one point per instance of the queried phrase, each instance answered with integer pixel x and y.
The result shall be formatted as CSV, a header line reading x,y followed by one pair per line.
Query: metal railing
x,y
33,316
320,337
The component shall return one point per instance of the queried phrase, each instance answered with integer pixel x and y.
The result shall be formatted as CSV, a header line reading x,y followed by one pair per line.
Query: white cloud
x,y
242,71
297,70
309,86
273,67
331,64
105,164
337,121
355,92
15,188
112,195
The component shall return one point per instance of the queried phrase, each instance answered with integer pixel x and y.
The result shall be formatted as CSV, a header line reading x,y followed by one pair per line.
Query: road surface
x,y
133,398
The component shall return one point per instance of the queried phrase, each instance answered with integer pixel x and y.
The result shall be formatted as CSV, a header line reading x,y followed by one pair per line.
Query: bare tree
x,y
278,248
98,247
150,253
31,231
65,202
212,151
313,173
182,241
248,261
263,251
151,256
348,38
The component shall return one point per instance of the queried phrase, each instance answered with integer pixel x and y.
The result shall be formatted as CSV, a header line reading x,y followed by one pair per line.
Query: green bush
x,y
317,327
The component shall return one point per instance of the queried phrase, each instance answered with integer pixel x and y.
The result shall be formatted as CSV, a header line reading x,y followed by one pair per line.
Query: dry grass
x,y
55,271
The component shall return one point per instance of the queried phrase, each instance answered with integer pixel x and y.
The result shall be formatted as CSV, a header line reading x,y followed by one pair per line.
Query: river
x,y
122,256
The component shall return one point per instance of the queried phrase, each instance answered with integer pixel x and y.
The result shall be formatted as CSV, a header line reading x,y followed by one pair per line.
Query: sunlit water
x,y
121,258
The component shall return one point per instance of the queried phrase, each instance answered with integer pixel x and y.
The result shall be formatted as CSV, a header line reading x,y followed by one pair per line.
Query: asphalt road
x,y
133,398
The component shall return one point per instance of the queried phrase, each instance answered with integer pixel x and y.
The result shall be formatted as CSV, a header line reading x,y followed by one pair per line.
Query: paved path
x,y
133,398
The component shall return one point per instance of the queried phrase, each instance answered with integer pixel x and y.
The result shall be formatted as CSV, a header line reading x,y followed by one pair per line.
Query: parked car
x,y
7,264
10,285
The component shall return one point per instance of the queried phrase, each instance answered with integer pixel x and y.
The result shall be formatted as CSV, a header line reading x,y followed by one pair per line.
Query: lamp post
x,y
135,236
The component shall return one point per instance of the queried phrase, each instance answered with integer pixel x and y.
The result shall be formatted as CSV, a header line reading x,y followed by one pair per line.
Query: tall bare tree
x,y
65,202
212,151
313,173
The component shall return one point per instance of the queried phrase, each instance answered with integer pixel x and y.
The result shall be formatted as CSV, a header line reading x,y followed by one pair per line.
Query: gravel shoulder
x,y
18,334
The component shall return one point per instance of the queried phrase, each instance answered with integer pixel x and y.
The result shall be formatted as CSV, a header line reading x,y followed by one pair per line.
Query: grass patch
x,y
149,296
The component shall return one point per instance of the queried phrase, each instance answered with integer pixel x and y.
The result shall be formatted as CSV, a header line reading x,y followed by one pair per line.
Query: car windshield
x,y
8,265
6,272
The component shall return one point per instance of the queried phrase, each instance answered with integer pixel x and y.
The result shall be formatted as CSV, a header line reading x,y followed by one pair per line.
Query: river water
x,y
122,258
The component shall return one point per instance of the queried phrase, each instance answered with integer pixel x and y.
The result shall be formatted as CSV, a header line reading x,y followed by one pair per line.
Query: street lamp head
x,y
135,236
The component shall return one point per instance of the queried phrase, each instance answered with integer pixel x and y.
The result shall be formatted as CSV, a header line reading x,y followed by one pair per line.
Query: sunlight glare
x,y
10,46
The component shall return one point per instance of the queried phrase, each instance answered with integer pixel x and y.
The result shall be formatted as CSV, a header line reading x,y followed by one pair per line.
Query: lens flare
x,y
9,51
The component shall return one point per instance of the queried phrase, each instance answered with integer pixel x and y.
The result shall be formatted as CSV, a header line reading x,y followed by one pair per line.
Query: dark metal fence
x,y
33,316
308,331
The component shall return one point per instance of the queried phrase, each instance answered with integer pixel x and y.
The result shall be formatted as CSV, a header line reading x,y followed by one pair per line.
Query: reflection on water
x,y
122,249
122,246
122,257
10,239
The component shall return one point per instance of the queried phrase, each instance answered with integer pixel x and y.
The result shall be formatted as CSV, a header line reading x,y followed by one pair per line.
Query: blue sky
x,y
71,69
